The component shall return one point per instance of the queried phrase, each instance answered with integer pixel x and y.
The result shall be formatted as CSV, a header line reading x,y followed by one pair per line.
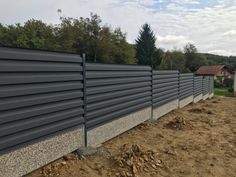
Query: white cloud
x,y
173,40
186,2
222,52
231,33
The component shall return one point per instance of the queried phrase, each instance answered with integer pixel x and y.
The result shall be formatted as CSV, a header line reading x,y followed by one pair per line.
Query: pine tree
x,y
146,51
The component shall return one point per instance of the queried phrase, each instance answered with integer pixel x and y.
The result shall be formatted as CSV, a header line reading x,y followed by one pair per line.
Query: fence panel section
x,y
205,85
197,85
211,85
185,85
115,90
41,93
165,87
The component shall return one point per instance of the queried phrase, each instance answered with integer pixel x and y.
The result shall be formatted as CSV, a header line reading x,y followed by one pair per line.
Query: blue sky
x,y
209,24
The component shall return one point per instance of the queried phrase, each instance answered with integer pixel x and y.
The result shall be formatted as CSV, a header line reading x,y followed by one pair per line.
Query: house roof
x,y
210,70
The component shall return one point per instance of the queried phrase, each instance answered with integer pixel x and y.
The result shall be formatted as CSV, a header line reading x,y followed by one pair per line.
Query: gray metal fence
x,y
211,85
115,90
165,87
197,85
44,93
41,93
185,85
50,100
205,85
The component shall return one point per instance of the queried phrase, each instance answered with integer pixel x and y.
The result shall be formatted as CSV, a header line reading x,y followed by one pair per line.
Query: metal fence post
x,y
179,86
152,94
85,100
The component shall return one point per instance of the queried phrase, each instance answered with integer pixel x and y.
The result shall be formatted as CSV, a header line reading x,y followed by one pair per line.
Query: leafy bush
x,y
231,90
218,84
228,82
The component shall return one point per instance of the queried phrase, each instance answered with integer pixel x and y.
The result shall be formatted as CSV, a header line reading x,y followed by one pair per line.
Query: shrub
x,y
228,82
218,84
231,90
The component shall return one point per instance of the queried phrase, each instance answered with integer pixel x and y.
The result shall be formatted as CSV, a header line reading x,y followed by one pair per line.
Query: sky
x,y
209,24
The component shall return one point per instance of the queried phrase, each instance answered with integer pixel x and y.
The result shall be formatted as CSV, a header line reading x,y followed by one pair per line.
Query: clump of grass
x,y
223,92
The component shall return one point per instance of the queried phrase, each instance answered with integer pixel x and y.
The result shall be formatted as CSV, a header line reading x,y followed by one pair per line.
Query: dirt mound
x,y
54,168
179,123
200,110
132,160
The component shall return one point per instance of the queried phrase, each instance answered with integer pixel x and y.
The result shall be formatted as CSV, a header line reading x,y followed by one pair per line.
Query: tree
x,y
173,60
99,43
146,51
123,52
193,59
78,35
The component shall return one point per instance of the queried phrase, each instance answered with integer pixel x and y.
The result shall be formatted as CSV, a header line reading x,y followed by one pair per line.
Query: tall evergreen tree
x,y
146,51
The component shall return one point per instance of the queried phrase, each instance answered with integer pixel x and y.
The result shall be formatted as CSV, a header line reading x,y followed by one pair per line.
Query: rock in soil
x,y
86,151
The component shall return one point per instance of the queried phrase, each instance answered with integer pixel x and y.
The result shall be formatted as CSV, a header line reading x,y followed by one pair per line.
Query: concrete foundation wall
x,y
105,132
211,95
185,101
197,98
27,159
205,96
164,109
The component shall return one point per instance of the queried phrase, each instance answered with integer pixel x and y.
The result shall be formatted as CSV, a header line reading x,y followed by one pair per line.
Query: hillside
x,y
217,59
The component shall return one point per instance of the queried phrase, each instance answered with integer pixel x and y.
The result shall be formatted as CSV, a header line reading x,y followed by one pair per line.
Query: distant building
x,y
218,71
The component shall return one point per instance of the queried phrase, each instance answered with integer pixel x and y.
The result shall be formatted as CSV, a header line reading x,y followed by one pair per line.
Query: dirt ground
x,y
196,141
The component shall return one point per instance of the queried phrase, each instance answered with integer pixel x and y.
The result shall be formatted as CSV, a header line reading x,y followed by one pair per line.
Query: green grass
x,y
222,92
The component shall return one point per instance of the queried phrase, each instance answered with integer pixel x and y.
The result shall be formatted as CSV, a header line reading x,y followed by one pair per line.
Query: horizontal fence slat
x,y
101,82
186,86
183,90
168,84
165,80
35,55
163,89
111,74
32,66
164,72
112,95
112,67
24,78
159,94
29,89
157,77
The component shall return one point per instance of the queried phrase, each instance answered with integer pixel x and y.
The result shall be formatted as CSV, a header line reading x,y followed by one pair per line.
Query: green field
x,y
222,92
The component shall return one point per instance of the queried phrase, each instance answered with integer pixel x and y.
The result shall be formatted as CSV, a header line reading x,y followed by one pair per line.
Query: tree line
x,y
103,44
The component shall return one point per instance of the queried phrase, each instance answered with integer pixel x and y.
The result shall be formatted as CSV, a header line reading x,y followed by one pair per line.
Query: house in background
x,y
220,72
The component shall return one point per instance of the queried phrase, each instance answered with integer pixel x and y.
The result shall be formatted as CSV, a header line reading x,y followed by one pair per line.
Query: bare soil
x,y
198,140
